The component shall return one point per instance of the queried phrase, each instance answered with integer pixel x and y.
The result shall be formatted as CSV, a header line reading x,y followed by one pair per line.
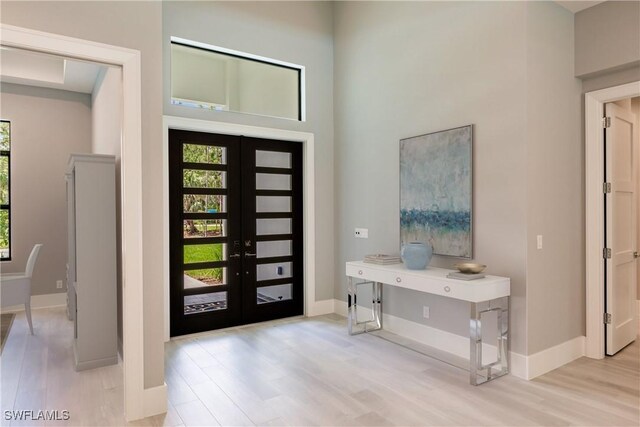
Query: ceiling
x,y
577,5
37,69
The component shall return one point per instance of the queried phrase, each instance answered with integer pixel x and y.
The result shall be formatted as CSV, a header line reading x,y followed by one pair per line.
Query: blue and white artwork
x,y
436,191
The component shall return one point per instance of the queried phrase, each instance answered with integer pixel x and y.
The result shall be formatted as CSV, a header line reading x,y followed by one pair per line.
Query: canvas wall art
x,y
436,191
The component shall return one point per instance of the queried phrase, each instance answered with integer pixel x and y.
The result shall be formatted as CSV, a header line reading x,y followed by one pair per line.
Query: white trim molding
x,y
131,170
40,301
155,400
311,307
525,367
594,210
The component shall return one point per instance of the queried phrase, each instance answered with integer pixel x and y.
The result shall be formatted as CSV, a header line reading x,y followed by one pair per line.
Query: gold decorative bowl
x,y
470,267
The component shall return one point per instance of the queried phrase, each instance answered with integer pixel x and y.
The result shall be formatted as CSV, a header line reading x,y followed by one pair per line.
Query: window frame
x,y
7,207
250,57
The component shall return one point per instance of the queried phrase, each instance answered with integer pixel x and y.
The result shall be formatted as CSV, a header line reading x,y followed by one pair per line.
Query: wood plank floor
x,y
310,372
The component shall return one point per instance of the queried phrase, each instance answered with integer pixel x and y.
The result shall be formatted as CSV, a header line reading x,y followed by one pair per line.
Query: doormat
x,y
6,320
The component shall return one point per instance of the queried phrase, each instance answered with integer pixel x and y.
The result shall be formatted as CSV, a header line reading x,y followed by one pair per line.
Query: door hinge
x,y
606,122
606,253
606,187
606,318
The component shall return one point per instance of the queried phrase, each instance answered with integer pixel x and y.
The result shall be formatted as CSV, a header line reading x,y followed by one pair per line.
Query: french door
x,y
235,230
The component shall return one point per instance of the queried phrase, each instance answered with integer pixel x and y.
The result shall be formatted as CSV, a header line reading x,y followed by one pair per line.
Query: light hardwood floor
x,y
310,372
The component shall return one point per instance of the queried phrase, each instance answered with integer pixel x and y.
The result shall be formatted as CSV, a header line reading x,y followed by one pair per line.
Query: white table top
x,y
432,280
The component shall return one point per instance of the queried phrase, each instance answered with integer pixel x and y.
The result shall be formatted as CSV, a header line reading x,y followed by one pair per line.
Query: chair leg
x,y
27,309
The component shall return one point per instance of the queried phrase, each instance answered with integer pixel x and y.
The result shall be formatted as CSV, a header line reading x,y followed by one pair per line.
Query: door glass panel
x,y
272,271
275,293
196,153
205,277
192,178
4,180
273,226
273,181
273,159
273,204
204,203
205,253
203,303
275,248
195,228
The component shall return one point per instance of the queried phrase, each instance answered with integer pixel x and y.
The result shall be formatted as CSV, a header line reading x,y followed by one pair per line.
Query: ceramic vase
x,y
416,255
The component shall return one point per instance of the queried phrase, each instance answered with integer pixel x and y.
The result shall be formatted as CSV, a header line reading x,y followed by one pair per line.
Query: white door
x,y
621,151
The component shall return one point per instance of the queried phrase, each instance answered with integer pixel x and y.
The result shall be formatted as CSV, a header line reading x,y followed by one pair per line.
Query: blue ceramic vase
x,y
416,255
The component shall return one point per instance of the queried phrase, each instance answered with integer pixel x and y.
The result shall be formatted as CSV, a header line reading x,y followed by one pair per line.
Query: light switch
x,y
539,241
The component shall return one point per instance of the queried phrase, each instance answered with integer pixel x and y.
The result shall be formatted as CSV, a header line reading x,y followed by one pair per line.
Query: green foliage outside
x,y
5,145
201,179
204,253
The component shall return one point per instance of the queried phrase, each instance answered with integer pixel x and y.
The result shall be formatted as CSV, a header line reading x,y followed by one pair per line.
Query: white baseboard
x,y
319,308
525,367
551,358
155,400
40,301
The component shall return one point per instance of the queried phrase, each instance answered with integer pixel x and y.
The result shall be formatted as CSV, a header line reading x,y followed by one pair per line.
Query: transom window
x,y
214,78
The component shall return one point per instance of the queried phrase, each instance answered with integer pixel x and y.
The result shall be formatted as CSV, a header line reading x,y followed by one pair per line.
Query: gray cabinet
x,y
91,268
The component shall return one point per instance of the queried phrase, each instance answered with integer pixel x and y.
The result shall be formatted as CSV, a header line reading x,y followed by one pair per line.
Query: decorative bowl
x,y
470,267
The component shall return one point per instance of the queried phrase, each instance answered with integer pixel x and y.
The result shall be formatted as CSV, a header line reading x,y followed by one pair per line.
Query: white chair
x,y
15,288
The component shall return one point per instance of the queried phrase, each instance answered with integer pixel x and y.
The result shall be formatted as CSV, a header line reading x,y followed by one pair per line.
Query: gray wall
x,y
296,32
46,126
508,69
135,25
405,69
607,38
607,45
106,130
555,181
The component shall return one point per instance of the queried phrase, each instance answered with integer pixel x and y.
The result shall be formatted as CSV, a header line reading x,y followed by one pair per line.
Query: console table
x,y
490,294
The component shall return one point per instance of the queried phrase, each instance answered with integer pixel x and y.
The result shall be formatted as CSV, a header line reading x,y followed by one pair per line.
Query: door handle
x,y
249,255
234,256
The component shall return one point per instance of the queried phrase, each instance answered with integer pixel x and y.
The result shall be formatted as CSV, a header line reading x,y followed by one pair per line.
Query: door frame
x,y
594,210
138,402
308,215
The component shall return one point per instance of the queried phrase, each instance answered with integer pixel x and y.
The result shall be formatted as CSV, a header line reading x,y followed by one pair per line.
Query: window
x,y
214,78
5,190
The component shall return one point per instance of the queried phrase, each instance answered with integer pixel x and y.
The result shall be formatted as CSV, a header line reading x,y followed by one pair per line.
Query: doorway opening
x,y
236,230
611,175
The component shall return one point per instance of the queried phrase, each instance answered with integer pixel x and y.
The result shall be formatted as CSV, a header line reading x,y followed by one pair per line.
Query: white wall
x,y
46,126
555,188
106,132
294,32
405,69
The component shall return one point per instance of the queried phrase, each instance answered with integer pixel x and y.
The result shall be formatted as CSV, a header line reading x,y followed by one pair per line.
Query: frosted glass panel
x,y
273,226
276,248
272,181
270,271
273,204
273,159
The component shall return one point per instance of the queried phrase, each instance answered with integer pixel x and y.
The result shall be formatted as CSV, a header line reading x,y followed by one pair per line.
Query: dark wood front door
x,y
235,230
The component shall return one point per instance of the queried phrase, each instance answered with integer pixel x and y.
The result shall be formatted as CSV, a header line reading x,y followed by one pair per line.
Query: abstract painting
x,y
436,191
